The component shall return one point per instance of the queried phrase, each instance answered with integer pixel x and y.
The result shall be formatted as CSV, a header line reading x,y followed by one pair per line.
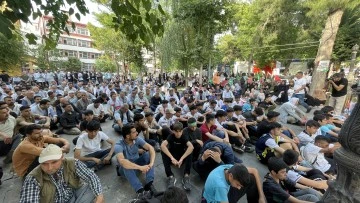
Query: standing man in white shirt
x,y
299,90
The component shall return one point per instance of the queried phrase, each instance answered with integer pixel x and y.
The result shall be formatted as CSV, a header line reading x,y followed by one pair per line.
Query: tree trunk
x,y
325,49
200,74
250,63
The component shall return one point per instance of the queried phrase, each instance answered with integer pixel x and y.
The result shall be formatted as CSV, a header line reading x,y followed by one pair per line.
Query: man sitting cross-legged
x,y
177,149
271,144
26,155
131,161
88,147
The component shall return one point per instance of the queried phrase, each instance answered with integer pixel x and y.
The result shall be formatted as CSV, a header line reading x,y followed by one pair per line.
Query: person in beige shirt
x,y
25,157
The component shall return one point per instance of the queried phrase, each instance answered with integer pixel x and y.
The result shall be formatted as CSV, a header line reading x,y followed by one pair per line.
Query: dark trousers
x,y
196,151
102,154
233,140
6,148
177,155
251,191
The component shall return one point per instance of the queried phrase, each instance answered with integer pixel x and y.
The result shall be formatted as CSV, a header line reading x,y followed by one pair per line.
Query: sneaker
x,y
248,143
237,149
153,190
186,183
144,195
171,181
157,147
248,149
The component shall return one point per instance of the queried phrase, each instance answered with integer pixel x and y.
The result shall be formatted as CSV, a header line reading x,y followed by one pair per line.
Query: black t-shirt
x,y
343,91
177,144
262,128
192,135
275,192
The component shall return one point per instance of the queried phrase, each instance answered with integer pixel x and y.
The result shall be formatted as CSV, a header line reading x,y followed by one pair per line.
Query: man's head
x,y
89,115
51,94
291,157
277,168
193,109
25,111
192,123
30,94
169,112
210,119
92,128
33,132
174,193
44,104
129,132
336,77
299,75
67,107
97,103
220,115
164,103
252,101
9,101
275,128
139,118
37,99
178,129
239,176
312,126
321,119
4,112
51,159
322,141
272,116
258,111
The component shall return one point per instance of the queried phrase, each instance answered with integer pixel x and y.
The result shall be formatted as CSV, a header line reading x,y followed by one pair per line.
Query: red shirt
x,y
204,129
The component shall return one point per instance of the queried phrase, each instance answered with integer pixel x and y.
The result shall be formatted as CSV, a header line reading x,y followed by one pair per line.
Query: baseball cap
x,y
51,152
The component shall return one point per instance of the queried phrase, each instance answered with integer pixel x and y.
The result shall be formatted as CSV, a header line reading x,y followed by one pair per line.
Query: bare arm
x,y
151,150
188,151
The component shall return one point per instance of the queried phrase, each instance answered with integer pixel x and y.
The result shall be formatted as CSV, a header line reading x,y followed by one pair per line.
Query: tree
x,y
12,52
128,17
47,59
72,64
105,64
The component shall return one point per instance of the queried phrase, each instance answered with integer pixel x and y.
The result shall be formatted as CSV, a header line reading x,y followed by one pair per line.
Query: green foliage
x,y
105,64
72,64
47,59
12,52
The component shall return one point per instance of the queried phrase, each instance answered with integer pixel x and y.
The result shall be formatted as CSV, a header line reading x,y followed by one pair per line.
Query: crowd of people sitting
x,y
199,127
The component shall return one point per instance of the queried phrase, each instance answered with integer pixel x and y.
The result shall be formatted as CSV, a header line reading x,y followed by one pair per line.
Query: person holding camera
x,y
339,86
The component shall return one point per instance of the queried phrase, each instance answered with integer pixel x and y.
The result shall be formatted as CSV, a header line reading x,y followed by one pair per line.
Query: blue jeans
x,y
309,194
131,174
102,154
301,98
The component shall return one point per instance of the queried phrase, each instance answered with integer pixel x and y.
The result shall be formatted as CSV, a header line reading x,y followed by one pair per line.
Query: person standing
x,y
299,88
338,93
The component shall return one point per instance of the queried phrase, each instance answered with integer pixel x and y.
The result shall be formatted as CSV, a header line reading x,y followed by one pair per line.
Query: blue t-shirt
x,y
216,187
326,128
130,152
246,107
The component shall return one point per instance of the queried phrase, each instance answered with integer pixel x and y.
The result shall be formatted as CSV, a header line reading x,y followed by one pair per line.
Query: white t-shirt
x,y
239,117
89,146
312,154
218,125
294,176
196,115
298,84
163,121
96,111
306,138
272,144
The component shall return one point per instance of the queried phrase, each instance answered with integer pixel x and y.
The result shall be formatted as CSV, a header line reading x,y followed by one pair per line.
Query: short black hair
x,y
30,128
22,108
177,109
191,120
220,113
88,112
126,129
229,110
209,117
36,96
312,123
241,174
319,117
192,107
97,101
274,125
322,138
327,109
290,157
213,102
259,111
317,112
164,101
138,117
93,125
276,164
237,108
251,100
44,102
174,193
272,114
149,114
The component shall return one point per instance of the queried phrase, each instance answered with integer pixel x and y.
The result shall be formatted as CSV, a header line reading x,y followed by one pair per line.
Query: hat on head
x,y
51,152
170,110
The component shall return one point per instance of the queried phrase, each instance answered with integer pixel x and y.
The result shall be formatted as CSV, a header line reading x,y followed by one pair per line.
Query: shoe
x,y
248,149
171,181
157,147
308,110
237,149
248,143
153,190
144,195
186,183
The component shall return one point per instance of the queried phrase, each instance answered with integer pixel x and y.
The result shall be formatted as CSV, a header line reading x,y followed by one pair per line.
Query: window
x,y
95,55
83,43
87,66
83,55
82,31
